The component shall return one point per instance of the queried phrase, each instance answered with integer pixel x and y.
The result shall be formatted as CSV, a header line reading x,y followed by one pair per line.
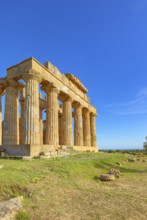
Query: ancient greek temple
x,y
44,109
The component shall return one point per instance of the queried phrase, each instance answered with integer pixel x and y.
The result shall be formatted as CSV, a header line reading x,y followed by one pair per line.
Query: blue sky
x,y
102,42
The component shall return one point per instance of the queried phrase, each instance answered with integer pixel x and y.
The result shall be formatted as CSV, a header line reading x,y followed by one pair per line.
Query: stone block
x,y
9,209
54,153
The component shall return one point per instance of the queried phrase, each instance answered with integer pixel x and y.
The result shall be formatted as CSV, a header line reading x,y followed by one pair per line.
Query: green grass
x,y
68,188
22,215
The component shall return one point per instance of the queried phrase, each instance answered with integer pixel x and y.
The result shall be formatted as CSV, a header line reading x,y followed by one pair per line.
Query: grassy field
x,y
68,188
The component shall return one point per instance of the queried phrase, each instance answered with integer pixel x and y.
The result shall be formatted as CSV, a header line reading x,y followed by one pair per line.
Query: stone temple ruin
x,y
23,132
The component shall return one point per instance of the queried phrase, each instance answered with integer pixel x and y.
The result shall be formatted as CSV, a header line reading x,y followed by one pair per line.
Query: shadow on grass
x,y
107,165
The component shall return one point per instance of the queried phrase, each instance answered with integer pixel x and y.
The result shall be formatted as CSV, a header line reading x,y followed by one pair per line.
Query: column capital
x,y
67,98
77,105
86,111
32,75
54,89
15,84
94,114
49,88
12,83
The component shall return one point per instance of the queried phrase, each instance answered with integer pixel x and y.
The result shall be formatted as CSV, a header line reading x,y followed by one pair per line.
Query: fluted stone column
x,y
41,128
1,91
78,126
86,128
52,130
60,128
11,119
93,129
22,116
32,114
67,121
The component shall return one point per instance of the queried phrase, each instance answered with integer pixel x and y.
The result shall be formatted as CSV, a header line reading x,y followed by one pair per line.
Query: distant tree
x,y
145,144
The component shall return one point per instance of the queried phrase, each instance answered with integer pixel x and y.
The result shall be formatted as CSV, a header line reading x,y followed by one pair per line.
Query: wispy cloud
x,y
138,5
132,107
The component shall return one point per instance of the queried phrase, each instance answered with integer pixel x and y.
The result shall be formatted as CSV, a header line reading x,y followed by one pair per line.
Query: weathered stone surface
x,y
67,121
52,130
54,153
86,128
11,121
114,172
64,147
107,177
93,129
63,153
30,135
32,113
47,153
78,125
9,209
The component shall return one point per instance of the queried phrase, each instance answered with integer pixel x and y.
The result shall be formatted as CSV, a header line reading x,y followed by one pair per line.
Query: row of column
x,y
58,128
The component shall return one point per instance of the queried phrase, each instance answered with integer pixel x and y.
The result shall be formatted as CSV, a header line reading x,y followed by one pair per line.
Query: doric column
x,y
93,129
11,119
67,121
60,128
52,132
22,116
78,125
86,128
1,92
41,128
32,125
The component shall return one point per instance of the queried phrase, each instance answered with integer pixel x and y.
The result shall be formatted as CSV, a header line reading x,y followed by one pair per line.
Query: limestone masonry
x,y
24,132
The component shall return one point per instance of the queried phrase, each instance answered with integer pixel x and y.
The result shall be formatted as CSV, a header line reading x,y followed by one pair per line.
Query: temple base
x,y
85,148
34,150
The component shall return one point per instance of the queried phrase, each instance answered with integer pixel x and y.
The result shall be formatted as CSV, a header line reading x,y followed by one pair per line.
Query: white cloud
x,y
132,107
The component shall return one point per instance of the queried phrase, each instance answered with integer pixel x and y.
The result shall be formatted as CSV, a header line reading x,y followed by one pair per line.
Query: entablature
x,y
66,84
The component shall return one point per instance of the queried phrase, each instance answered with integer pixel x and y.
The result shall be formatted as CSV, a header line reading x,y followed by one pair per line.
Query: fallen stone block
x,y
107,177
9,209
114,172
